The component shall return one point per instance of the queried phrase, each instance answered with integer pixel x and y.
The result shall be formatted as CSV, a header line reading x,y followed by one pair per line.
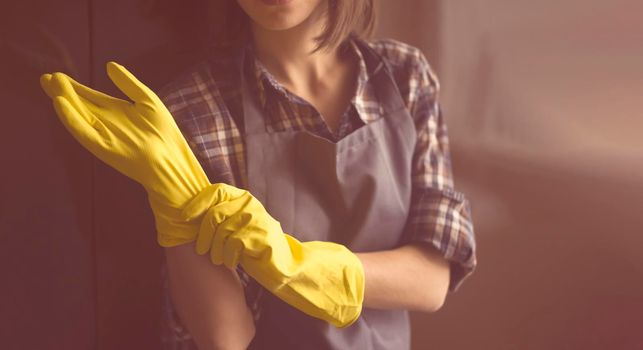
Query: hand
x,y
139,139
323,279
234,219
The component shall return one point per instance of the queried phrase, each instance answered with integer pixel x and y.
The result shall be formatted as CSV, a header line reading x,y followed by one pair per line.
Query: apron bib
x,y
356,192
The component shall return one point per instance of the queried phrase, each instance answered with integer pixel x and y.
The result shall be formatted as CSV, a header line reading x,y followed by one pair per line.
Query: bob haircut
x,y
230,24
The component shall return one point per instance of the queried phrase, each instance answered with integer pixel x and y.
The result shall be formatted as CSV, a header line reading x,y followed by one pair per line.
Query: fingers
x,y
94,96
206,233
130,85
122,78
227,244
45,80
76,124
214,194
201,202
61,86
232,252
221,205
58,84
89,97
216,236
219,243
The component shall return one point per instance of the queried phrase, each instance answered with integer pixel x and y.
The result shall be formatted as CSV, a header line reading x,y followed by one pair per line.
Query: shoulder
x,y
187,87
396,52
404,57
207,81
415,77
199,100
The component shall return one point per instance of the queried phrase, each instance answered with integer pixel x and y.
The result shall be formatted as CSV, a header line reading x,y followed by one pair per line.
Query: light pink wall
x,y
542,100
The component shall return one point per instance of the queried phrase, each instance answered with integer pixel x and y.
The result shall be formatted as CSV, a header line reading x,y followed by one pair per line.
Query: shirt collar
x,y
265,80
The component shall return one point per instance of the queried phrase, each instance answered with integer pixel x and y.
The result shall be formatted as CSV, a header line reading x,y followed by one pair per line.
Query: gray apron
x,y
356,192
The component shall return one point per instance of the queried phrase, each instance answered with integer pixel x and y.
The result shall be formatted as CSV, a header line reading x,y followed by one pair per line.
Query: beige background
x,y
542,100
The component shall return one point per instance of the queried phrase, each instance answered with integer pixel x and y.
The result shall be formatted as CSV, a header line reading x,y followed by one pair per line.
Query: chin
x,y
278,15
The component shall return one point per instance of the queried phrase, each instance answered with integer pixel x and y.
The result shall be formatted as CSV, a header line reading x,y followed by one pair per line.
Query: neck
x,y
288,54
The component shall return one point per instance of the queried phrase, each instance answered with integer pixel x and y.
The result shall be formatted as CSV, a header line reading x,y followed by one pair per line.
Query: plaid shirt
x,y
205,102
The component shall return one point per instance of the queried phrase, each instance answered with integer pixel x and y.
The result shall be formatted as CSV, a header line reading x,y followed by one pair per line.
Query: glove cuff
x,y
171,229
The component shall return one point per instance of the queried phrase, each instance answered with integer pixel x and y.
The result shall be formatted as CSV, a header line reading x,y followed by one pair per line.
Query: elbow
x,y
221,342
434,292
435,275
437,302
432,302
239,340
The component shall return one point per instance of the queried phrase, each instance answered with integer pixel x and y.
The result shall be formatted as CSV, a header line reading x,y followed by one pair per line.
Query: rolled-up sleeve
x,y
439,215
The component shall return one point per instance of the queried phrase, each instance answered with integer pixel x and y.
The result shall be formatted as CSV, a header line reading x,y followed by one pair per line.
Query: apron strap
x,y
380,71
253,119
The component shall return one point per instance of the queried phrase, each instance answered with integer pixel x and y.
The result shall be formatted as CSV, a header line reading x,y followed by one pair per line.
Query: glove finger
x,y
218,244
94,106
206,233
96,97
226,210
130,85
77,125
232,252
200,203
230,191
61,86
215,194
45,84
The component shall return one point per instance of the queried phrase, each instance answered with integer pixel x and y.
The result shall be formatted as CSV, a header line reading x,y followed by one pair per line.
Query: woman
x,y
312,74
337,141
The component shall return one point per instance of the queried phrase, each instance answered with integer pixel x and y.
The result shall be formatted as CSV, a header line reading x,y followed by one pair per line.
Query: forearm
x,y
413,277
209,300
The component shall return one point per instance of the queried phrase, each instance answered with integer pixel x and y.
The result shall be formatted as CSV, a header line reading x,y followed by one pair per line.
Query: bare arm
x,y
413,277
209,299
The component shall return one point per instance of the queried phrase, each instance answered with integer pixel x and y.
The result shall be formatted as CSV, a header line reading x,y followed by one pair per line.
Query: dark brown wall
x,y
78,259
79,262
47,264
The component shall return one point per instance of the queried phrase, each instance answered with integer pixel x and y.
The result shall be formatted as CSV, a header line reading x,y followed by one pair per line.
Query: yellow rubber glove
x,y
323,279
140,139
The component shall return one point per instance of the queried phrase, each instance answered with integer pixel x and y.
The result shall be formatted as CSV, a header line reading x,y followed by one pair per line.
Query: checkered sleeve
x,y
439,215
